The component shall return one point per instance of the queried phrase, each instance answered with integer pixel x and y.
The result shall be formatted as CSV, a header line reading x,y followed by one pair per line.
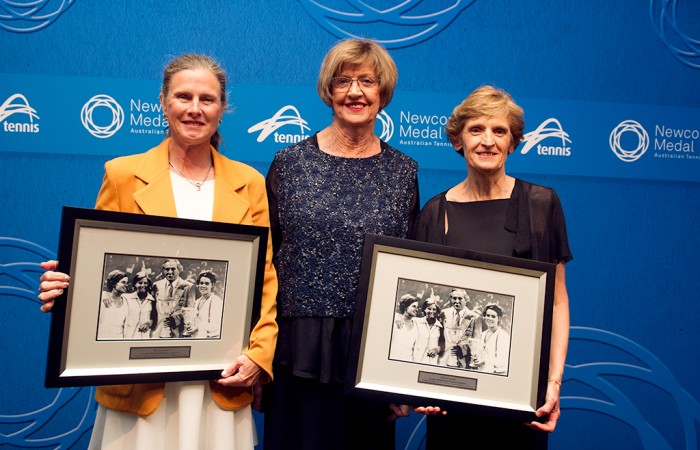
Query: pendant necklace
x,y
196,184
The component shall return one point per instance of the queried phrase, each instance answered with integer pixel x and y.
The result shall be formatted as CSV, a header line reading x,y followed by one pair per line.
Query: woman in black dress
x,y
493,212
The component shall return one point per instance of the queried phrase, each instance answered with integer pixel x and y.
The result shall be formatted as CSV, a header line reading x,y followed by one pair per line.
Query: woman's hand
x,y
51,284
242,372
398,411
550,409
429,410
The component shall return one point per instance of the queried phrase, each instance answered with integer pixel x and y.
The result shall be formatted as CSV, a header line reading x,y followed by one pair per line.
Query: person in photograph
x,y
430,342
172,293
405,332
186,176
494,352
142,316
456,320
208,308
493,212
325,193
113,308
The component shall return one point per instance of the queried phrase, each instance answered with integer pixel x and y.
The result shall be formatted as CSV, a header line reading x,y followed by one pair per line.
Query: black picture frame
x,y
382,369
92,242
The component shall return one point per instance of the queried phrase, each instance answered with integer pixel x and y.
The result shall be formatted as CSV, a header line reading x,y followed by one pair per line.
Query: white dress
x,y
187,417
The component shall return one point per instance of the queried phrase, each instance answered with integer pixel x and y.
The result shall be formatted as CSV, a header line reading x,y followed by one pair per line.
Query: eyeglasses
x,y
344,83
457,298
491,316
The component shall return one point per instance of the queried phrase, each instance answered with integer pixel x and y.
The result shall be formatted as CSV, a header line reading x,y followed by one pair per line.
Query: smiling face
x,y
486,142
121,285
205,286
491,319
430,311
141,285
193,106
356,106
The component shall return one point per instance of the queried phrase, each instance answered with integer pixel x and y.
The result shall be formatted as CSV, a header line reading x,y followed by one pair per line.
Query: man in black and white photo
x,y
172,293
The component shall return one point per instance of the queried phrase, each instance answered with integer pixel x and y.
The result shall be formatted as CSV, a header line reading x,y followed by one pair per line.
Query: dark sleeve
x,y
430,225
271,185
414,211
559,240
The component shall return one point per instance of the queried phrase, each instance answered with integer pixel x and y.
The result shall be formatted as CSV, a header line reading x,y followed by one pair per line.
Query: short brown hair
x,y
355,52
486,101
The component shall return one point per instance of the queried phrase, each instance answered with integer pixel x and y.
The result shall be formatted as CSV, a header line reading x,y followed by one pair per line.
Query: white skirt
x,y
186,419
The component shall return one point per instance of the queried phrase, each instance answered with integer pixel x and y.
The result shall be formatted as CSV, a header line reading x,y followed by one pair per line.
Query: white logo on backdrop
x,y
387,126
550,128
280,119
401,19
21,106
102,101
629,126
26,16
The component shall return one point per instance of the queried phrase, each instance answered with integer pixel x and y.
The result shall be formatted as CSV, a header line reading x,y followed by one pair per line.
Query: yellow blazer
x,y
141,184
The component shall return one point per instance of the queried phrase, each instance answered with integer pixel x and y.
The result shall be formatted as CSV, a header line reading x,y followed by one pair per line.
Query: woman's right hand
x,y
51,284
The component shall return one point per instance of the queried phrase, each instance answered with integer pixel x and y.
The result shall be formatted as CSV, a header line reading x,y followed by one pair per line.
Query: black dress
x,y
501,227
321,206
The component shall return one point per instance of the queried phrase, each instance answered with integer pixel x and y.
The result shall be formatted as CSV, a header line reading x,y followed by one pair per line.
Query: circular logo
x,y
102,101
664,17
64,415
387,126
629,126
27,16
612,381
401,25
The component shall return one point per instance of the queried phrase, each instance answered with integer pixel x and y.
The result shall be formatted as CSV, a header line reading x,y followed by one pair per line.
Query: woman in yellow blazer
x,y
186,177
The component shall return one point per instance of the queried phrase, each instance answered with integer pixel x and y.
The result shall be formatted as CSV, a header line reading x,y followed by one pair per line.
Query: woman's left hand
x,y
550,409
242,372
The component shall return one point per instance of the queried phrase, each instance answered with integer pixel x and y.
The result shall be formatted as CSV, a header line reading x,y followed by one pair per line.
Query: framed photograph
x,y
441,326
152,299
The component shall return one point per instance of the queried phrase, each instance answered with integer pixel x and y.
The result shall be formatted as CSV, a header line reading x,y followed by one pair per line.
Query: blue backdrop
x,y
612,104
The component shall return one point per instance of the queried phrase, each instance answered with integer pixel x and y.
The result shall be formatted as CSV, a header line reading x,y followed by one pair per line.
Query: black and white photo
x,y
151,297
452,326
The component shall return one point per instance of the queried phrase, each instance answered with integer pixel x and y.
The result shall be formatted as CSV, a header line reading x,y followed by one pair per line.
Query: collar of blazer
x,y
156,197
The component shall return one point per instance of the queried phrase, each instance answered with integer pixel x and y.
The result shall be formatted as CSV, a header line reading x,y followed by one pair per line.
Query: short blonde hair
x,y
355,52
486,101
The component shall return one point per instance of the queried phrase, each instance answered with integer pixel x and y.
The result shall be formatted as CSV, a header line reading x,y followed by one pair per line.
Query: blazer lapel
x,y
156,197
229,204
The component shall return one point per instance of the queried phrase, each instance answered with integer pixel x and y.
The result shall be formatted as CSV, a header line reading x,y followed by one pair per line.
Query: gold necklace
x,y
196,184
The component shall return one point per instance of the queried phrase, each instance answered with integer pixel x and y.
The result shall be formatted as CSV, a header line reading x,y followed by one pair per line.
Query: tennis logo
x,y
629,153
17,105
285,116
102,116
550,128
401,26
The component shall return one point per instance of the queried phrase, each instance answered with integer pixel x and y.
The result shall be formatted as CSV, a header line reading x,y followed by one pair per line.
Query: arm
x,y
256,362
557,357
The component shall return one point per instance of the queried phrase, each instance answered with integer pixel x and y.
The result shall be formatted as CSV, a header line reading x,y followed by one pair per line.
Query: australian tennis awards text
x,y
422,126
675,139
146,117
